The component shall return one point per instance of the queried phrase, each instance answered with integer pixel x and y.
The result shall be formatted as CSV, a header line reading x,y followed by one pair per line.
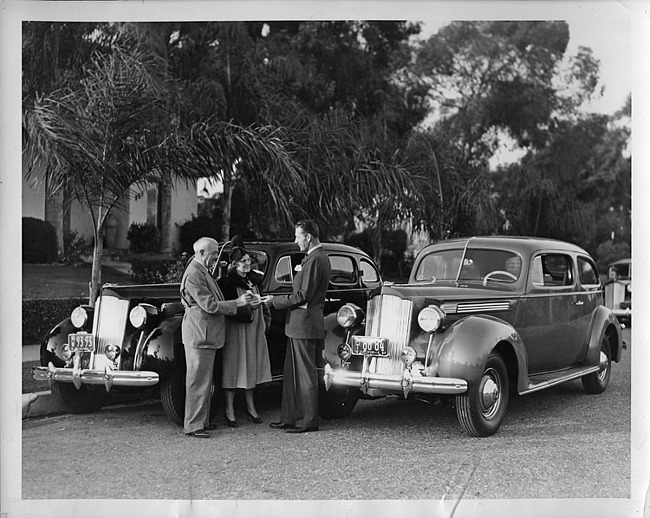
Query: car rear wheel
x,y
84,400
597,382
337,402
172,397
482,408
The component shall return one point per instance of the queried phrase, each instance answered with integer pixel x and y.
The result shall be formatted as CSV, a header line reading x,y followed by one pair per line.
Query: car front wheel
x,y
597,382
79,401
172,397
482,408
337,402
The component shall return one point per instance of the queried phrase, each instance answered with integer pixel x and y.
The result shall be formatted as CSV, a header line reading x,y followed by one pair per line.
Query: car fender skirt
x,y
390,383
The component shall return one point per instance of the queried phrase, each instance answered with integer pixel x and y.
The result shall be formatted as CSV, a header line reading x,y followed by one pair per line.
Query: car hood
x,y
448,291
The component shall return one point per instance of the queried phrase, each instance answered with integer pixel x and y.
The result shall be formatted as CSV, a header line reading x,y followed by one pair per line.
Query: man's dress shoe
x,y
293,429
280,425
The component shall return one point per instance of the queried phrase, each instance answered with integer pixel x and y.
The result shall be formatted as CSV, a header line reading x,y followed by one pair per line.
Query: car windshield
x,y
477,264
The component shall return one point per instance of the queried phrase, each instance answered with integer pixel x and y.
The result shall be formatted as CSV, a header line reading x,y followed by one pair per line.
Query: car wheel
x,y
482,408
172,397
79,401
597,382
337,402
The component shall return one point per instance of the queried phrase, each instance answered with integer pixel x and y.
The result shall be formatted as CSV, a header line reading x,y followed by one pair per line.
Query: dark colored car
x,y
481,317
132,337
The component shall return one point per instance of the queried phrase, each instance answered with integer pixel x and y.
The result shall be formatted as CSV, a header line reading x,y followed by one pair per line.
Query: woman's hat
x,y
237,253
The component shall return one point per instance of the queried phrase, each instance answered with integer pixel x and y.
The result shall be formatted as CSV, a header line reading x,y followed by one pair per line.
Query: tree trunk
x,y
226,206
165,193
96,275
54,215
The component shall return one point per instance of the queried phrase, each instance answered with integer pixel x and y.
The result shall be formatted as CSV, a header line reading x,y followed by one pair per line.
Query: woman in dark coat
x,y
245,353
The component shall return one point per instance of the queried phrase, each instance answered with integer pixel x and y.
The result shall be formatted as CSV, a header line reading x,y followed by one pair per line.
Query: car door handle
x,y
579,303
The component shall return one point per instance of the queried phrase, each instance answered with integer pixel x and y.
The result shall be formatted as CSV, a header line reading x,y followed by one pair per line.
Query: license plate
x,y
81,342
370,345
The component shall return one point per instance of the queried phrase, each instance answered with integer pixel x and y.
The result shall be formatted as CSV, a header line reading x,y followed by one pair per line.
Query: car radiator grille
x,y
111,315
389,317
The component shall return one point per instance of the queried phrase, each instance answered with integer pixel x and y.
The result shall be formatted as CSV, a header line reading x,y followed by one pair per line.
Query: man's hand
x,y
244,299
266,299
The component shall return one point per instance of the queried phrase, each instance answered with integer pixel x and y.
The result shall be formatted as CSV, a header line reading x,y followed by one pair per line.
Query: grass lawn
x,y
45,281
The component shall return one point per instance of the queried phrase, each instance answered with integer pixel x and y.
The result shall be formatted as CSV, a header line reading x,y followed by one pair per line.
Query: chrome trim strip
x,y
96,377
474,307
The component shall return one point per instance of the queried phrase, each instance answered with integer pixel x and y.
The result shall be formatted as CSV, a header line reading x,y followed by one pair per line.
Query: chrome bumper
x,y
406,382
108,377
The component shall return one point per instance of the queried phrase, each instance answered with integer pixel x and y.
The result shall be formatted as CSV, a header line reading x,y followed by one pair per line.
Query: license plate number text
x,y
369,345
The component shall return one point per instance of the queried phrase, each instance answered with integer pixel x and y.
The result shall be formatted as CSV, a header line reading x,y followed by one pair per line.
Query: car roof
x,y
282,246
521,244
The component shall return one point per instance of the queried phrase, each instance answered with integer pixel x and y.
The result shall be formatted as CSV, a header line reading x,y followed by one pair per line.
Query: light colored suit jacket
x,y
203,322
305,318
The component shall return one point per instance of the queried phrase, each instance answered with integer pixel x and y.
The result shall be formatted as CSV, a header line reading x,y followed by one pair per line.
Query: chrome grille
x,y
111,315
389,317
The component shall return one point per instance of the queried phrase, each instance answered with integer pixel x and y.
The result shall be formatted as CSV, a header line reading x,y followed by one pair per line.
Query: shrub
x,y
39,242
151,268
75,247
175,272
609,251
41,315
144,238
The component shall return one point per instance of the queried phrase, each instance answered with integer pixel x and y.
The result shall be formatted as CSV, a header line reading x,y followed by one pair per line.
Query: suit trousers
x,y
198,385
300,385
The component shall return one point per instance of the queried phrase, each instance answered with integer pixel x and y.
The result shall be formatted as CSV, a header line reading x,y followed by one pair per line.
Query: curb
x,y
37,404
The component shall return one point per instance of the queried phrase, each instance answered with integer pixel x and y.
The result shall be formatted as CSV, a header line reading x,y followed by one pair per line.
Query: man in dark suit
x,y
305,331
203,331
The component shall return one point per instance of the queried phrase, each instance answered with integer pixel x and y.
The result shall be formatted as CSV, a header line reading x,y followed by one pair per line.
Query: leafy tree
x,y
101,138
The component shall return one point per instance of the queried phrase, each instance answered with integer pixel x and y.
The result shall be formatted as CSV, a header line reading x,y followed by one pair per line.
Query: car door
x,y
551,313
589,298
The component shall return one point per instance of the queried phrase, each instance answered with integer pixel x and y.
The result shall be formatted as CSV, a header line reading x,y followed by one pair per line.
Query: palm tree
x,y
103,138
252,156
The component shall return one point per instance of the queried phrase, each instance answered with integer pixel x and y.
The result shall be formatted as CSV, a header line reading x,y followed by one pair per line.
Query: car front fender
x,y
161,349
604,322
53,342
461,351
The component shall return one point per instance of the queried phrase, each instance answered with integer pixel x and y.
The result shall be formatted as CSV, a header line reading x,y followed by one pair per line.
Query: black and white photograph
x,y
287,259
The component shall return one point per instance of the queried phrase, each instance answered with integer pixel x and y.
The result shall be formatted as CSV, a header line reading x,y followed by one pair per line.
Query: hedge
x,y
41,315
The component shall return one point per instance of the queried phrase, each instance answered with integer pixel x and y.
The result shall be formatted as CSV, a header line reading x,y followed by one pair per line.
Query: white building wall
x,y
185,205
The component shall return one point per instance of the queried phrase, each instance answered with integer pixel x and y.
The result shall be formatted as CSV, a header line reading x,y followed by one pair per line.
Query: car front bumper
x,y
406,382
107,377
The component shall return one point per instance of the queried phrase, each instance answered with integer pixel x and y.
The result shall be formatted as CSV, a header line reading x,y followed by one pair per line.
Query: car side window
x,y
369,272
551,270
283,270
342,270
587,272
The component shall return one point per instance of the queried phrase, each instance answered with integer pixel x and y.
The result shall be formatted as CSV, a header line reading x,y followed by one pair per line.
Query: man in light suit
x,y
305,330
203,331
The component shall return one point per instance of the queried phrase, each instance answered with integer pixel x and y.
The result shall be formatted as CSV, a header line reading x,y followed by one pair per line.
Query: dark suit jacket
x,y
306,303
203,323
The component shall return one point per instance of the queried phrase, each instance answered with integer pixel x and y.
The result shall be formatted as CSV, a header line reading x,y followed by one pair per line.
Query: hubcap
x,y
604,364
490,393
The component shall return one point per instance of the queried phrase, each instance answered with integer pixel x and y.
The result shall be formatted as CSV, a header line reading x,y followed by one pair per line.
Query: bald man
x,y
203,332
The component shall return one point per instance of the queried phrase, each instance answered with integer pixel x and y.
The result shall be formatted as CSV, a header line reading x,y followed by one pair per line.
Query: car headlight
x,y
79,317
349,315
408,355
431,318
138,316
112,351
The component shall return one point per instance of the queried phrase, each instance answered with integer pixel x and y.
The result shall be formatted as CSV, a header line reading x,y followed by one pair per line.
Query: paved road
x,y
559,443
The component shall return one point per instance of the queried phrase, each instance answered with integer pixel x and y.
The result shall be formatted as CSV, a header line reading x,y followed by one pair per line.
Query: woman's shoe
x,y
231,422
255,418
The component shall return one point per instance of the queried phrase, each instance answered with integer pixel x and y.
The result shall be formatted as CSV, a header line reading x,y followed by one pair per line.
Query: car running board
x,y
548,379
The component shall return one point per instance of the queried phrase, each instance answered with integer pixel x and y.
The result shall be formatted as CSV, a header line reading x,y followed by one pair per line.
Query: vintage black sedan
x,y
131,339
480,317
